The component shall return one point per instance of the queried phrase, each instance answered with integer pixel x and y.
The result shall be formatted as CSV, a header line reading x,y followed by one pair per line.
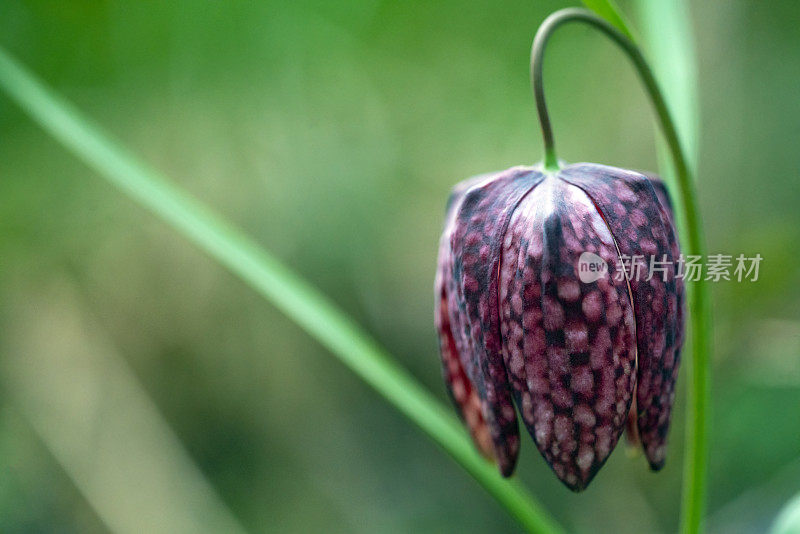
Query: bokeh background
x,y
143,388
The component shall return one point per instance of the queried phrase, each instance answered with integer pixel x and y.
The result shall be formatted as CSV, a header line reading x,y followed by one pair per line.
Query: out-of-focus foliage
x,y
788,521
333,131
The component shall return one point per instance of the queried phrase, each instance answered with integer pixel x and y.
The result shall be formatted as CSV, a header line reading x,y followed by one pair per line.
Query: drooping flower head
x,y
557,293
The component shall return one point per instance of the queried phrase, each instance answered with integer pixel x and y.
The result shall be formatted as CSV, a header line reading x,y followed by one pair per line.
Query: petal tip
x,y
507,468
579,483
656,457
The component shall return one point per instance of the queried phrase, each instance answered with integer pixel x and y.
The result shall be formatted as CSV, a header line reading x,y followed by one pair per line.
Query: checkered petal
x,y
639,216
568,340
468,268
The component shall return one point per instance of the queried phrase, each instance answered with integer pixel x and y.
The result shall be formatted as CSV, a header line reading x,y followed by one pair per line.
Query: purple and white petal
x,y
569,345
480,222
644,231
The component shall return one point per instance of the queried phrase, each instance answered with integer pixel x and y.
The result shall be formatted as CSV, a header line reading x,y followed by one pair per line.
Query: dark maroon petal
x,y
480,222
641,226
569,345
459,386
666,204
663,197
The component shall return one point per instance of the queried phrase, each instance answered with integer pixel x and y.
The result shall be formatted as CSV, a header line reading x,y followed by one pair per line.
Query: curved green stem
x,y
697,407
537,83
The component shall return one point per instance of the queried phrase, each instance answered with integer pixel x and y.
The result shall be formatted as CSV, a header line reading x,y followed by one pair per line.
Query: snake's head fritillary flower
x,y
520,325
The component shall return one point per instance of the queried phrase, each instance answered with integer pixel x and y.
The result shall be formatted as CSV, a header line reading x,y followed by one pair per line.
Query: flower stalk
x,y
694,489
324,321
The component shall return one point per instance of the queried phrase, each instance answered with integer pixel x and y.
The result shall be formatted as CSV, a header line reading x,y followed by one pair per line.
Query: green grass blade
x,y
608,10
312,311
669,37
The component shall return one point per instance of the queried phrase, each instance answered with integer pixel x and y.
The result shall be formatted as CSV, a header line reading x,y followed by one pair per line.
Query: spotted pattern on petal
x,y
641,227
479,226
568,346
680,288
459,387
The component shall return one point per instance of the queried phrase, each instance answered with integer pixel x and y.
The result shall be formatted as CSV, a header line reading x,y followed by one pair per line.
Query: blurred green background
x,y
143,388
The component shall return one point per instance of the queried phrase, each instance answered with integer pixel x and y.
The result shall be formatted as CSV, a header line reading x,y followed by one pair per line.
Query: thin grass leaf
x,y
674,61
609,10
303,304
668,35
